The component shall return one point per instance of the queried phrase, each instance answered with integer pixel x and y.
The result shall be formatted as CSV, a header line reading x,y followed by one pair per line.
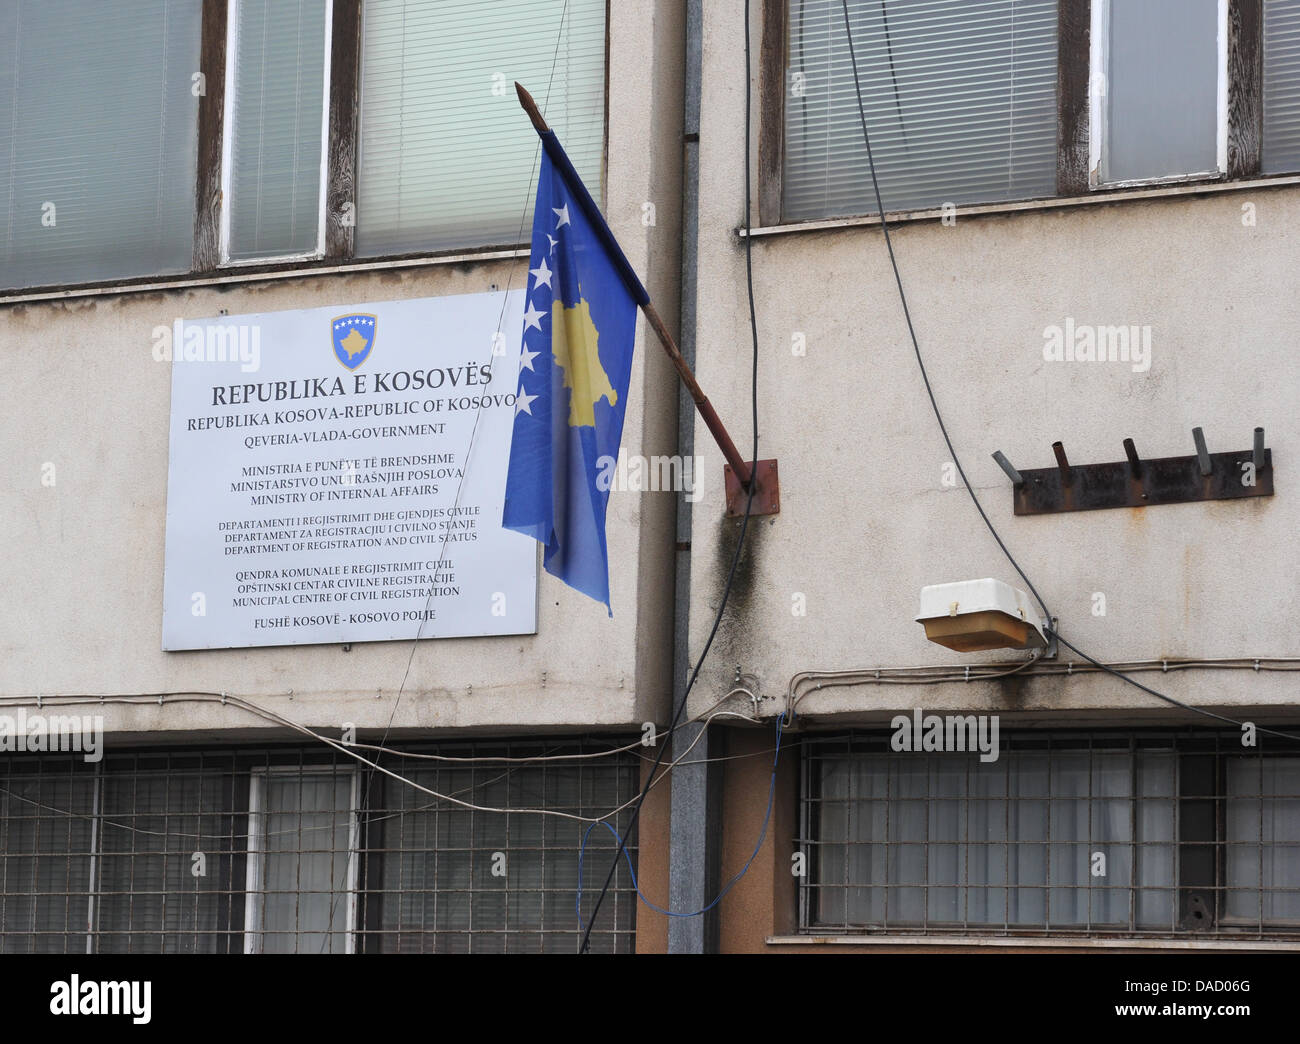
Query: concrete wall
x,y
866,519
82,609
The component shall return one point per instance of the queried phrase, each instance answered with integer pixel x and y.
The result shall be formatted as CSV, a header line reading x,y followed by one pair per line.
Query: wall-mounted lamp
x,y
975,615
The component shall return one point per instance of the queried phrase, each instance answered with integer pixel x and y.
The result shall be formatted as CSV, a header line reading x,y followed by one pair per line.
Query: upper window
x,y
157,137
991,102
960,101
274,164
98,139
1158,90
1281,86
444,159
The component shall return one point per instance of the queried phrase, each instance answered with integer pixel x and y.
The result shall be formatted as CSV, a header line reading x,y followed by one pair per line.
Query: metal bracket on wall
x,y
767,494
1135,482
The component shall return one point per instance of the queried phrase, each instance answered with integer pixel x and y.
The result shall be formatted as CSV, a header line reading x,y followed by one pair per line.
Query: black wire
x,y
902,296
744,525
893,74
1170,699
1048,626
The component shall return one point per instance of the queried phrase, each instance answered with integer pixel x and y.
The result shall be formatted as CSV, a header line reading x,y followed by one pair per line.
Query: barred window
x,y
294,850
1076,833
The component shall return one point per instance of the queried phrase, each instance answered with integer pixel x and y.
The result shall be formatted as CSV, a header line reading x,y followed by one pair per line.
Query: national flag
x,y
579,330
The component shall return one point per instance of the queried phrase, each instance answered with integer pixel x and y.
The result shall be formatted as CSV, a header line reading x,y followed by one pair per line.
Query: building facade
x,y
210,823
1092,209
1121,174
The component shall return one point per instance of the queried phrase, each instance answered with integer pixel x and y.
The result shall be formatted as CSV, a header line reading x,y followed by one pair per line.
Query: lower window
x,y
1073,833
288,850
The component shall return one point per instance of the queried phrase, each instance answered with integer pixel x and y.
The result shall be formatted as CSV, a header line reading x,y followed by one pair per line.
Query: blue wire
x,y
762,836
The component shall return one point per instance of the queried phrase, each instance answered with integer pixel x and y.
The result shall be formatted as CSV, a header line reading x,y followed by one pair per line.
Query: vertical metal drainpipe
x,y
695,832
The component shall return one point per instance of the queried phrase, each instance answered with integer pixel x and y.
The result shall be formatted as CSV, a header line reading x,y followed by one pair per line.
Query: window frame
x,y
338,153
227,148
235,850
1099,78
1199,832
1240,93
255,862
210,263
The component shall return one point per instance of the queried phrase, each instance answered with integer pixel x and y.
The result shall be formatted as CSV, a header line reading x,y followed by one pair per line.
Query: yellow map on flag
x,y
573,344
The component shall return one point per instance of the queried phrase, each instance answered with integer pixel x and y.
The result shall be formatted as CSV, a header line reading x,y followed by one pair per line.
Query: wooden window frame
x,y
1245,22
337,252
227,157
340,168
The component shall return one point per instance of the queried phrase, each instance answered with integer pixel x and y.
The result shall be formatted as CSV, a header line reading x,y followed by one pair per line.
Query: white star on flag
x,y
532,318
563,214
542,273
526,359
522,401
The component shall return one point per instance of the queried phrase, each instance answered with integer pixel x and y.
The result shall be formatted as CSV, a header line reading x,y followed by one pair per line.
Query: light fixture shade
x,y
976,615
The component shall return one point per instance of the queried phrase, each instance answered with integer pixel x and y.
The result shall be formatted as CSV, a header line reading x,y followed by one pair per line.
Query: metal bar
x,y
1164,480
1134,462
1202,454
1257,452
1063,465
1016,478
95,842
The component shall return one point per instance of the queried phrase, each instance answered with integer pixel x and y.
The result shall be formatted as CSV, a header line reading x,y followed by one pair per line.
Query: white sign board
x,y
337,475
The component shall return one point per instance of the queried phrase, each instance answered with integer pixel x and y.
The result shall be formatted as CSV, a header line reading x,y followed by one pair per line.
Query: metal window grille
x,y
1194,833
293,849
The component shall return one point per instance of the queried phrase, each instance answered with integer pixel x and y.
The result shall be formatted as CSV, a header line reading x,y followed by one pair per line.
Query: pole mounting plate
x,y
767,493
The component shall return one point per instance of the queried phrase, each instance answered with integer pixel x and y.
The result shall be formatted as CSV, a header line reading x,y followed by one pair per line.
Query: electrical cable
x,y
1169,699
907,315
762,836
744,525
252,708
1034,668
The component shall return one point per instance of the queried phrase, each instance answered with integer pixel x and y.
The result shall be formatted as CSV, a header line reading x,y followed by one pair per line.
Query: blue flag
x,y
579,329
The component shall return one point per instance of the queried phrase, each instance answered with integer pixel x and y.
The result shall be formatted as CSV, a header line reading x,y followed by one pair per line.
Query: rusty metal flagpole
x,y
766,494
